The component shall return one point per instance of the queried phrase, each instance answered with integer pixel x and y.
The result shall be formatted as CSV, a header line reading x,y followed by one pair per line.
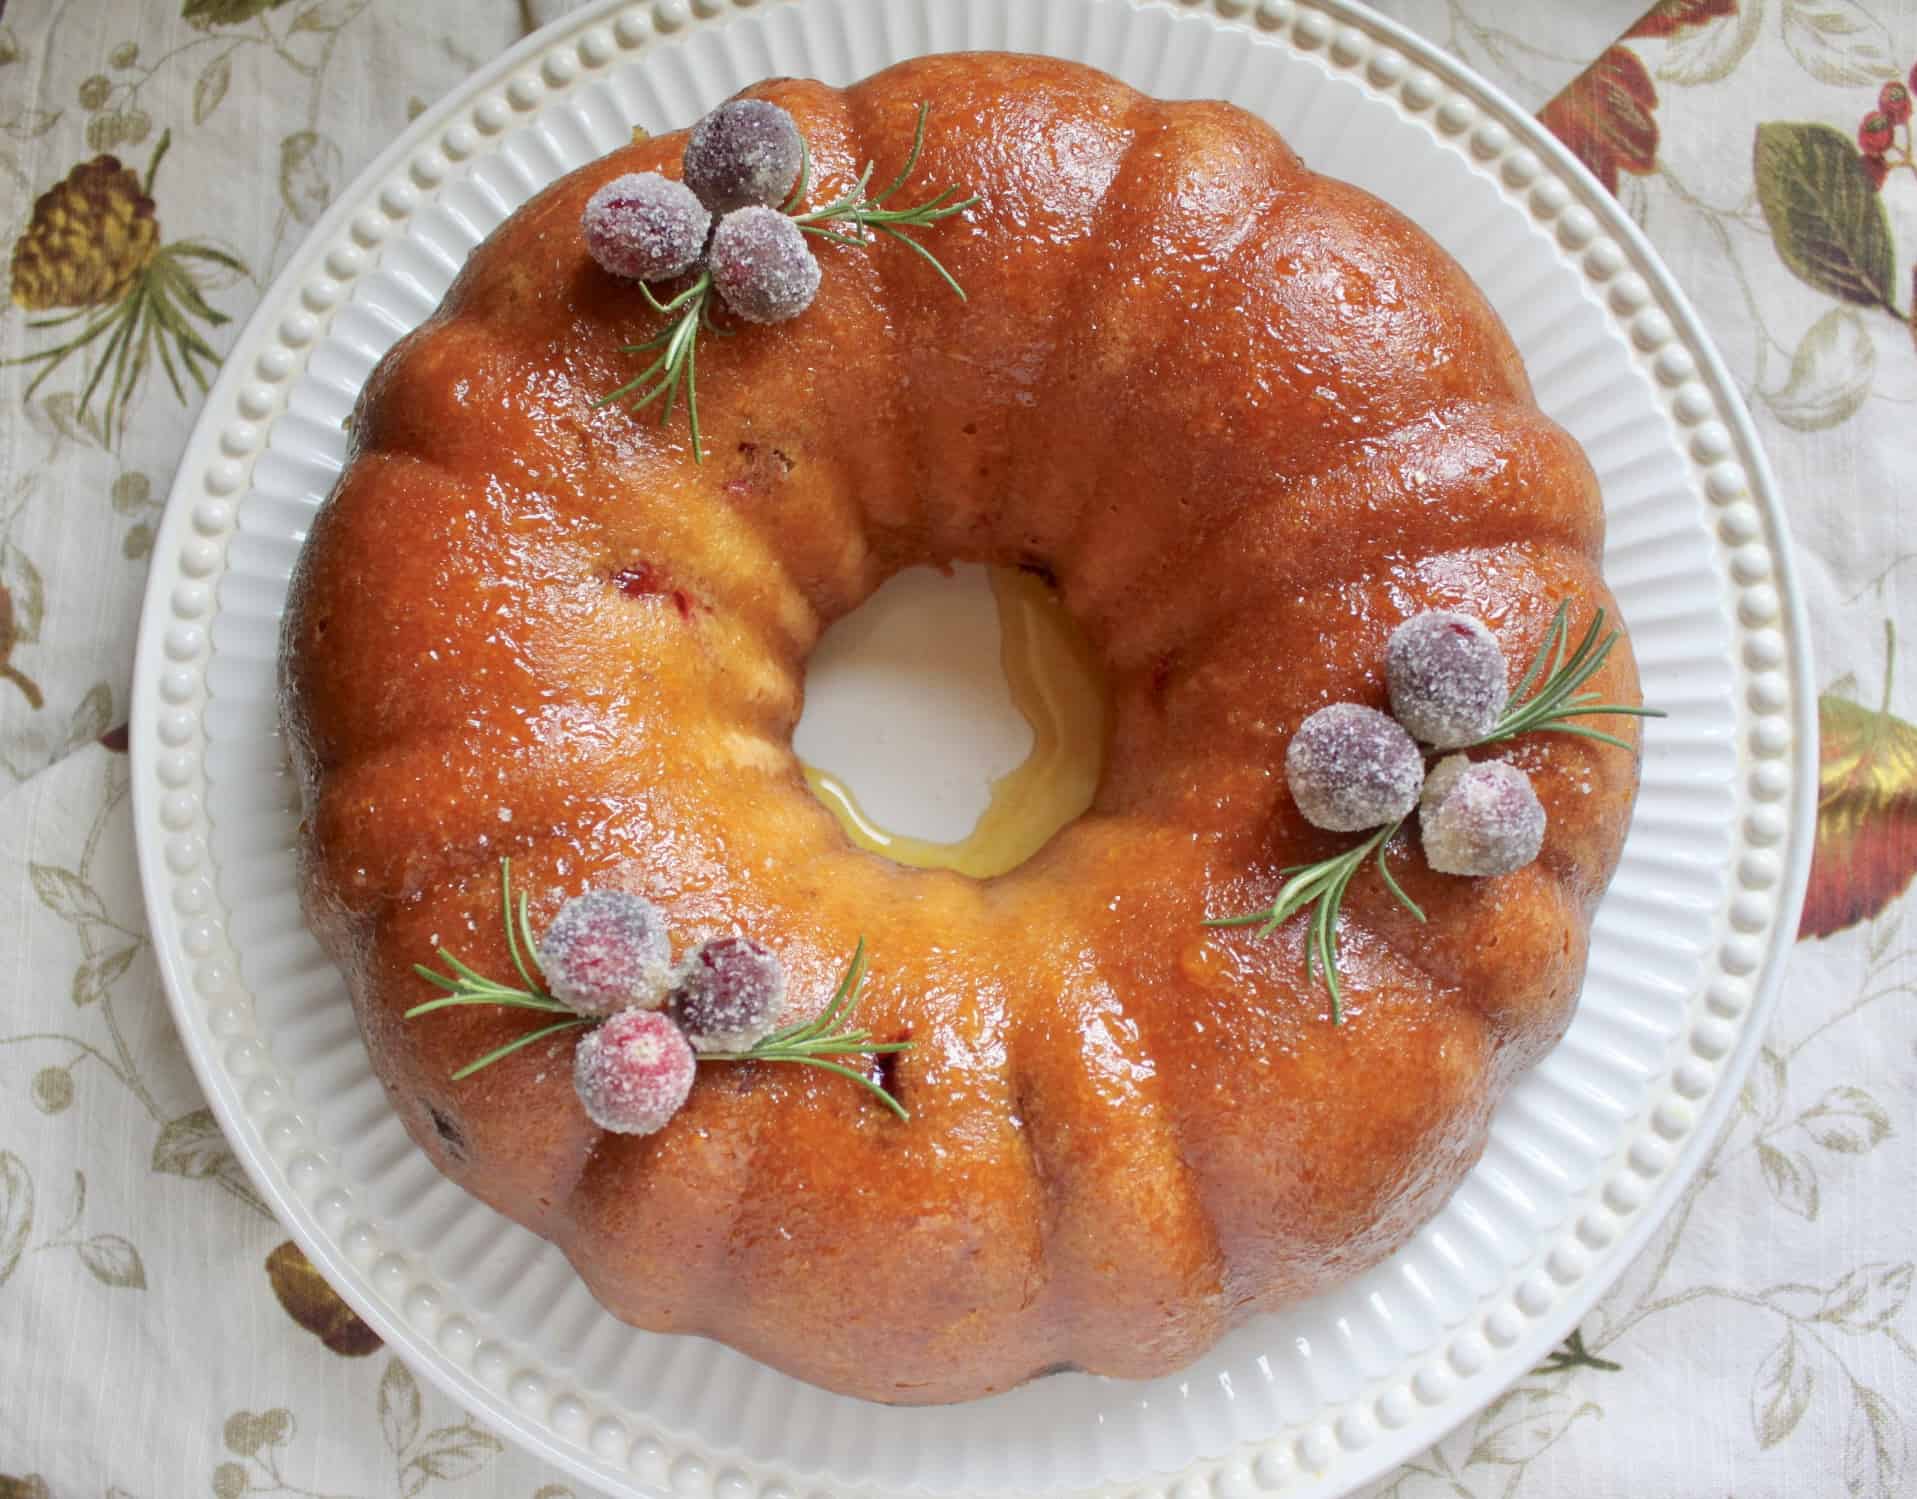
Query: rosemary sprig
x,y
809,1043
869,213
812,1042
1322,887
674,367
1558,699
464,986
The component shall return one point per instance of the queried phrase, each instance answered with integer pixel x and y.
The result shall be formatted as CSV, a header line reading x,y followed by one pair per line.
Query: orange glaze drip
x,y
1057,688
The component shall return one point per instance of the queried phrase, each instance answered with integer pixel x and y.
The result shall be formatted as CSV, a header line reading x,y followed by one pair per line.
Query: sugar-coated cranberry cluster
x,y
1877,135
1350,767
741,163
607,954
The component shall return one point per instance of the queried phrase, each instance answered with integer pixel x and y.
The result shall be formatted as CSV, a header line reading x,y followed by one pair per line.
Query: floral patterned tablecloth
x,y
158,1334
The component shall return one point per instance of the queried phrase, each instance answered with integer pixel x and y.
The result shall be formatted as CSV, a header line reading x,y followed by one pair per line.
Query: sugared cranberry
x,y
1446,674
729,993
745,152
633,1073
1486,820
645,226
1352,768
763,267
607,950
1439,780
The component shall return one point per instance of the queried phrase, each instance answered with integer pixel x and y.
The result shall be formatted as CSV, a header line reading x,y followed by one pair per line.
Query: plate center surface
x,y
1318,1364
907,704
956,720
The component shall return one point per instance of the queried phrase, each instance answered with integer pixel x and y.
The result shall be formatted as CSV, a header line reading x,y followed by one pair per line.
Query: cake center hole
x,y
954,721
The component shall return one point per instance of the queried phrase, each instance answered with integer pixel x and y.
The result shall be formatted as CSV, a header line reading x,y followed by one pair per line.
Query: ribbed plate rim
x,y
189,551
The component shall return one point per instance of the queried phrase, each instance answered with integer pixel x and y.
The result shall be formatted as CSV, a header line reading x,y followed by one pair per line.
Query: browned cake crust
x,y
1250,418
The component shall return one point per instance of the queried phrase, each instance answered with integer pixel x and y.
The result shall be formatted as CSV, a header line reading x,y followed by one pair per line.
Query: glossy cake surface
x,y
1249,419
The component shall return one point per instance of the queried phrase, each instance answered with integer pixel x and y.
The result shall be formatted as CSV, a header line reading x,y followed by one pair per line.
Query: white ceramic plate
x,y
1583,1156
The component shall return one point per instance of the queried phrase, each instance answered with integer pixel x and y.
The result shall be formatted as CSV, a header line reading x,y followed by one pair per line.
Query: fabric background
x,y
158,1334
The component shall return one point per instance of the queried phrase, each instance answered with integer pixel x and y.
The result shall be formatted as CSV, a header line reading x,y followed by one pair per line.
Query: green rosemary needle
x,y
464,986
1558,699
1322,887
810,1043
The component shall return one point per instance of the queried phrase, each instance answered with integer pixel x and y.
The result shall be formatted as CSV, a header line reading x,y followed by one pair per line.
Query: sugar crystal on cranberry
x,y
1351,768
645,226
1447,678
633,1072
747,151
729,992
1439,780
1489,821
607,950
762,266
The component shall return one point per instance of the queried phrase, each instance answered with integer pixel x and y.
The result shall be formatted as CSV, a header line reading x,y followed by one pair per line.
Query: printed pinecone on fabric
x,y
90,235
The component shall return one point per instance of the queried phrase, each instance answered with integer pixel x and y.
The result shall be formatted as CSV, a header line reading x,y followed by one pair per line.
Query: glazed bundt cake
x,y
1250,420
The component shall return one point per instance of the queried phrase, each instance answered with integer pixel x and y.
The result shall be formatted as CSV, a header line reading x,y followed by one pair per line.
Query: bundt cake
x,y
1250,420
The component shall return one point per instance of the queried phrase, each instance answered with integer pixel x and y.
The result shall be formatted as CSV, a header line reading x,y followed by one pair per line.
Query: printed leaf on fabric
x,y
315,1305
1825,215
1710,50
193,1146
16,1211
113,1261
1874,1447
206,14
1791,1178
1838,42
399,1407
1831,374
1866,850
1607,116
1781,1391
1668,17
1847,1121
1868,1298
